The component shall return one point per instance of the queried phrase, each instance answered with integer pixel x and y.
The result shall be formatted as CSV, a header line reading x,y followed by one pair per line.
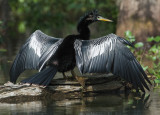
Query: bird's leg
x,y
81,80
73,73
64,76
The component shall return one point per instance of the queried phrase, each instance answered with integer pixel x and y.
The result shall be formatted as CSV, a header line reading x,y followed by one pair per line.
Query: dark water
x,y
104,104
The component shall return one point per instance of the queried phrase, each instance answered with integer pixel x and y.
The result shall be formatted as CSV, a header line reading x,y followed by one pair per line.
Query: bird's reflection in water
x,y
139,105
117,104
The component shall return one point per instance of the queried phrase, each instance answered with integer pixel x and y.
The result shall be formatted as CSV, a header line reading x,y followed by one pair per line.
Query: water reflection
x,y
103,104
28,107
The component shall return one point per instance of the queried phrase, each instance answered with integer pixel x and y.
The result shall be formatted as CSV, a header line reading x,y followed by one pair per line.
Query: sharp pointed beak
x,y
103,19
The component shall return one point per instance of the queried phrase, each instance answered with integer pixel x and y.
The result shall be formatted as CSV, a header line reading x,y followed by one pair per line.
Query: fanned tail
x,y
42,78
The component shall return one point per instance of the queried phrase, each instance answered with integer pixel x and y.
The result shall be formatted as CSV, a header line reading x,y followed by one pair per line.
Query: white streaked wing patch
x,y
101,48
35,45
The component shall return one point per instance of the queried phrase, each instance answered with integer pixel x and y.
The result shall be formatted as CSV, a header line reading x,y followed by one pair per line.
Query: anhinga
x,y
102,55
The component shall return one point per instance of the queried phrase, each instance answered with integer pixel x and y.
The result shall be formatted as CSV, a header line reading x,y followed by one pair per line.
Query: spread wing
x,y
36,51
110,54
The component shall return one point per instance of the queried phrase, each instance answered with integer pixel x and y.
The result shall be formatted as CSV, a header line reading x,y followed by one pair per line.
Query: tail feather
x,y
42,78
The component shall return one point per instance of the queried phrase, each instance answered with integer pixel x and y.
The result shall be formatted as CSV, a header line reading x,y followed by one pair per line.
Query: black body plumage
x,y
102,55
64,57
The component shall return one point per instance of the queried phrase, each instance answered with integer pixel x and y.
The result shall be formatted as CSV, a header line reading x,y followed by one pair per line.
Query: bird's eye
x,y
98,17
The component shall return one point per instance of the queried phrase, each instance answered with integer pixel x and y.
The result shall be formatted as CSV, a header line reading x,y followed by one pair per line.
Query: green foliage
x,y
3,50
1,40
1,22
58,16
144,67
129,36
156,39
139,44
22,27
153,54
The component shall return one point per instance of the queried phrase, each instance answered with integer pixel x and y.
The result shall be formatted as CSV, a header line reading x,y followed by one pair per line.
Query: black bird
x,y
102,55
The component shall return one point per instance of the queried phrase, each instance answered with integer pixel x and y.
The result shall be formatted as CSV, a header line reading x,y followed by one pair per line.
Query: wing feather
x,y
36,51
110,54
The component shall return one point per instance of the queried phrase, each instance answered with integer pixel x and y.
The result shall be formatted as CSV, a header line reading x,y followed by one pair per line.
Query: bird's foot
x,y
68,78
25,84
34,85
81,81
64,76
37,85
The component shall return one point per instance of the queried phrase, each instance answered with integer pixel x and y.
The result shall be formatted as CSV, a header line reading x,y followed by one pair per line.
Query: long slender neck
x,y
83,29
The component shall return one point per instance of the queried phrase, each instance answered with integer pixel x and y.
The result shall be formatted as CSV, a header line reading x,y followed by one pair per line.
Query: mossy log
x,y
60,89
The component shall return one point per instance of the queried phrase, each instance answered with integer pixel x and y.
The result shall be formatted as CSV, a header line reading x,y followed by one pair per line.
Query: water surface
x,y
103,104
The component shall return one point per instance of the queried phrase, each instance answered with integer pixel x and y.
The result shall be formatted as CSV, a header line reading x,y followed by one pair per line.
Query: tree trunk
x,y
4,10
141,17
4,15
4,32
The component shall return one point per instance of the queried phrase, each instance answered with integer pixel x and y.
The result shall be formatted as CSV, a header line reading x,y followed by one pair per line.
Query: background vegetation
x,y
149,58
57,17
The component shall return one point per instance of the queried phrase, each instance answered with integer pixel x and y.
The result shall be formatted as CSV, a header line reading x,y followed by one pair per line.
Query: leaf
x,y
139,44
1,22
22,27
157,80
130,101
129,36
144,68
150,39
21,1
154,58
137,98
35,1
157,39
3,50
153,49
128,33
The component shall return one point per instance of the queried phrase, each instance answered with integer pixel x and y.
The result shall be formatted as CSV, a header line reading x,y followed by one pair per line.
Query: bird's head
x,y
94,16
87,19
